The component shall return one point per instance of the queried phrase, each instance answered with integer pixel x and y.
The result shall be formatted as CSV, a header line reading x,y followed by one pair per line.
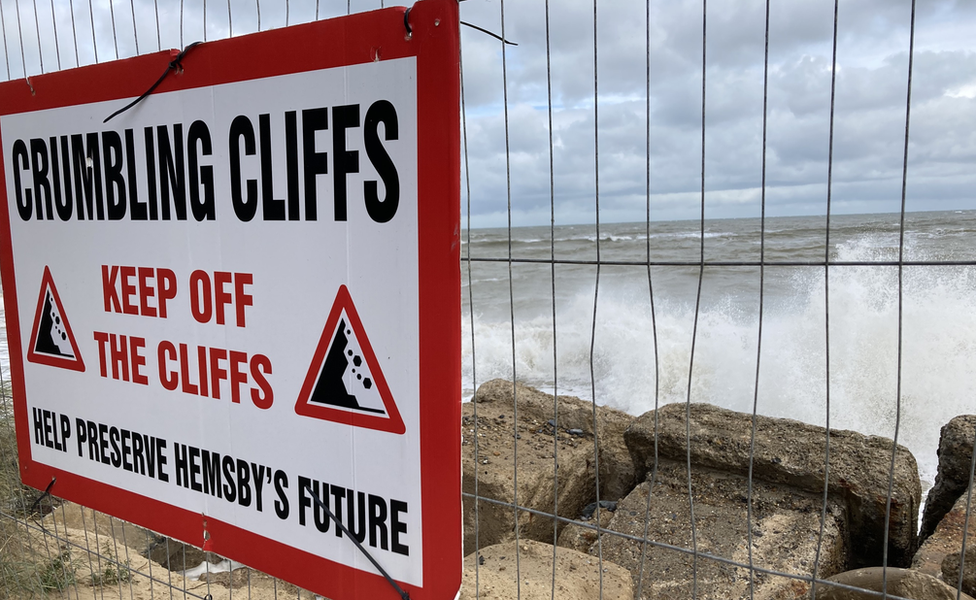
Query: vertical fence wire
x,y
102,553
37,30
511,305
552,284
6,49
596,292
826,275
74,30
652,480
762,298
115,34
901,302
20,37
694,329
476,504
57,45
91,18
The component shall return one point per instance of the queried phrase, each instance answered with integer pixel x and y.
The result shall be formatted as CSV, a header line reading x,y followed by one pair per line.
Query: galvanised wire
x,y
596,293
74,31
471,313
762,290
552,282
37,30
650,289
698,295
115,36
830,187
511,305
901,271
96,556
20,36
57,45
6,50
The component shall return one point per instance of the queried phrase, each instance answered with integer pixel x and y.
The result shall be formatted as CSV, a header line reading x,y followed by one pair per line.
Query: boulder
x,y
903,583
617,475
494,574
792,453
952,479
785,534
492,474
177,556
946,539
580,535
950,569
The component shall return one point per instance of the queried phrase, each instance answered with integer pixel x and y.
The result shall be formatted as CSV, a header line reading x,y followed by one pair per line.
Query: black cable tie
x,y
406,20
47,492
174,65
494,35
403,595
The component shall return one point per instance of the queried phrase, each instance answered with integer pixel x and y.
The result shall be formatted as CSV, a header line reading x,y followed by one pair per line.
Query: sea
x,y
573,313
901,364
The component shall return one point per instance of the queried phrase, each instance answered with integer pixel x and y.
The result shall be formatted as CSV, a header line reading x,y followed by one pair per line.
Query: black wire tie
x,y
174,65
403,595
47,492
494,35
406,21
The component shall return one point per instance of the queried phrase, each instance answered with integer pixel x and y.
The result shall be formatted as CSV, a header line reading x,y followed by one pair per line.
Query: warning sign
x,y
52,342
345,383
233,310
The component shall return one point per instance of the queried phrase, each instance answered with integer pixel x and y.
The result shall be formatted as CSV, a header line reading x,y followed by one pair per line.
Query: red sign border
x,y
350,40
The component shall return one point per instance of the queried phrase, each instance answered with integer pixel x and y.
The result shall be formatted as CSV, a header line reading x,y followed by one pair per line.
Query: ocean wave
x,y
937,372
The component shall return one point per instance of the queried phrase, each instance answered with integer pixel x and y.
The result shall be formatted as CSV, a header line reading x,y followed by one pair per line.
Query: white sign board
x,y
229,299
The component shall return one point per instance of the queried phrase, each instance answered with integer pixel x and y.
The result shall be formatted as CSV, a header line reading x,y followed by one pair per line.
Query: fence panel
x,y
683,224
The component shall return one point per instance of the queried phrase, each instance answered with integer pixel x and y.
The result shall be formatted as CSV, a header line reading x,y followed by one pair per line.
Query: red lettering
x,y
221,298
200,303
138,360
164,353
102,339
167,288
214,366
237,376
217,373
119,348
128,290
242,298
264,396
202,368
146,291
188,387
109,294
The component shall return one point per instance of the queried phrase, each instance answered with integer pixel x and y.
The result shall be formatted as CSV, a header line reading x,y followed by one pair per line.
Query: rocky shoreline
x,y
805,520
626,531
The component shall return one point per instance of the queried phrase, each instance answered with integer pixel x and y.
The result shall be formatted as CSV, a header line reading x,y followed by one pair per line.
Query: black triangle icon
x,y
330,388
52,342
345,383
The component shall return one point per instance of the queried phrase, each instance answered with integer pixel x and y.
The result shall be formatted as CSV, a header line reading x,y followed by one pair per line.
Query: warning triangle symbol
x,y
52,343
345,383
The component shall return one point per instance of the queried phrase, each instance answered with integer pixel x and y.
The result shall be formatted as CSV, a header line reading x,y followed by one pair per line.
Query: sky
x,y
605,152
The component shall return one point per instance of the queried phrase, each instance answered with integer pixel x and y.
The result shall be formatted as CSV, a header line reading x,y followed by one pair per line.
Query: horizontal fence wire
x,y
39,555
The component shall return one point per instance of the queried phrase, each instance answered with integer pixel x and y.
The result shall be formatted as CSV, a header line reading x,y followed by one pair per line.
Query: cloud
x,y
869,108
597,96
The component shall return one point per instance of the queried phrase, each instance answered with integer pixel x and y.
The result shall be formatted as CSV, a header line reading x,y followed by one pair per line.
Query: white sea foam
x,y
938,363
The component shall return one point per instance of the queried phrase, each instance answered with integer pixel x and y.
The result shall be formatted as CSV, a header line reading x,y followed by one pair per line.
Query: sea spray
x,y
938,364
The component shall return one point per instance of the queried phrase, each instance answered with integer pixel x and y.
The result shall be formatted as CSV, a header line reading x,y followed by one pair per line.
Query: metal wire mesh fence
x,y
683,222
